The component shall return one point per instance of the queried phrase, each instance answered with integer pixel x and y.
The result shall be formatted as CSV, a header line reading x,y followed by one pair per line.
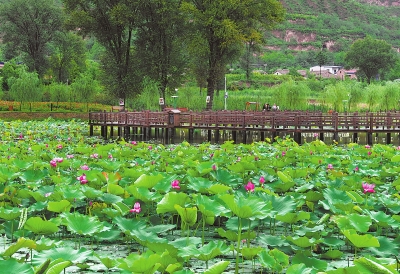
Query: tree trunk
x,y
210,92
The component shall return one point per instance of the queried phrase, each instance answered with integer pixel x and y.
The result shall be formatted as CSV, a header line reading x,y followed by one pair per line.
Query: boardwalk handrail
x,y
255,120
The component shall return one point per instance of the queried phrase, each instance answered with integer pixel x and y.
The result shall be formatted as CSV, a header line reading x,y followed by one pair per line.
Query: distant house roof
x,y
281,72
286,71
342,73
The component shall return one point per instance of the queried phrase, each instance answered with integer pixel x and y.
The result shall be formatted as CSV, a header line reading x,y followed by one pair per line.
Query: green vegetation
x,y
79,204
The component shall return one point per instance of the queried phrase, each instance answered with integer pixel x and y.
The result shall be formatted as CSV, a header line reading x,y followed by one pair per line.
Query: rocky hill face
x,y
313,24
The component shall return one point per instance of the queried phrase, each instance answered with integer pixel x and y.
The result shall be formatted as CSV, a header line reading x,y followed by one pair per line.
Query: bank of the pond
x,y
35,115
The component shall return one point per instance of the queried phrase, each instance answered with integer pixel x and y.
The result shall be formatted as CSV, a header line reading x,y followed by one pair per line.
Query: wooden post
x,y
369,138
321,136
355,137
262,135
191,135
234,136
297,137
91,130
244,136
388,138
209,135
217,136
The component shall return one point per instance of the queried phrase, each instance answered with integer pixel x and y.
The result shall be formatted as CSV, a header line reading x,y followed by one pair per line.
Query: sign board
x,y
161,101
208,99
121,102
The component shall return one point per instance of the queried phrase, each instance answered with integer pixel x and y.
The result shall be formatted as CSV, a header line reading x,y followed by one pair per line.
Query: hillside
x,y
335,24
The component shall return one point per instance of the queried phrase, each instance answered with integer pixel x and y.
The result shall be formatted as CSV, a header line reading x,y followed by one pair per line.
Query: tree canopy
x,y
27,27
224,26
371,56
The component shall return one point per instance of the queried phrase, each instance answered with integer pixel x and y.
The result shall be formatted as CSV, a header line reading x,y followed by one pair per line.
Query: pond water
x,y
201,136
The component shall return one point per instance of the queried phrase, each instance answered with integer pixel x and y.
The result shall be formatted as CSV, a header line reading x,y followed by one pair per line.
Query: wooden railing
x,y
295,121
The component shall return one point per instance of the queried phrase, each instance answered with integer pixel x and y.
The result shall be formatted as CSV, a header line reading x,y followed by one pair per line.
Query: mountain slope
x,y
336,24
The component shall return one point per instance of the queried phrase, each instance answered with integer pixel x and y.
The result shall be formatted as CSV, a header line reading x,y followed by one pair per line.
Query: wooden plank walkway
x,y
296,122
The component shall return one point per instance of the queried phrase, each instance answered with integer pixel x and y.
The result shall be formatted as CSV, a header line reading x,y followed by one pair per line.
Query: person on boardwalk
x,y
275,107
266,107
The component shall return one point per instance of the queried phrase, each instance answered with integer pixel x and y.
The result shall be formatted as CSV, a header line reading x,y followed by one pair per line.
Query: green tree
x,y
226,25
372,94
84,89
371,56
321,59
68,57
356,93
159,49
336,96
28,26
390,96
25,87
112,23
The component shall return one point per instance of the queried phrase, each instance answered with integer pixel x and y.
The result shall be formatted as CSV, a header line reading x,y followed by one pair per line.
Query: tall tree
x,y
371,56
224,25
112,22
321,59
68,57
159,47
27,26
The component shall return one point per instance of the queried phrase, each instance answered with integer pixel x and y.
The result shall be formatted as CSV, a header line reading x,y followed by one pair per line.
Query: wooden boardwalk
x,y
273,122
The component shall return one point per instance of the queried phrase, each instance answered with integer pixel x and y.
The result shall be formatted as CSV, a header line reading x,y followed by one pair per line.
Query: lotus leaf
x,y
82,224
168,202
21,243
38,226
299,269
310,262
64,253
243,207
212,250
13,266
360,240
217,268
354,221
146,263
368,266
9,214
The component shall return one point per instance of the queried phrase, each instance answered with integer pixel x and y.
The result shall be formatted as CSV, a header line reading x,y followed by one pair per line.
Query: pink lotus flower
x,y
369,153
368,188
211,155
134,143
398,148
53,163
136,208
356,169
283,153
315,135
70,156
256,158
249,187
311,153
21,136
330,166
367,146
94,156
85,167
82,179
56,160
150,147
175,184
59,146
214,167
262,180
110,156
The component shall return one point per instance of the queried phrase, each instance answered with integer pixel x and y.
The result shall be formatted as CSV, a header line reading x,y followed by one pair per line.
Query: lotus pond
x,y
74,204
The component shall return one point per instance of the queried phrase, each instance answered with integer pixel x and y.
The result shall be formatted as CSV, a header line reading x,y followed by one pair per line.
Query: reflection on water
x,y
201,136
220,136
